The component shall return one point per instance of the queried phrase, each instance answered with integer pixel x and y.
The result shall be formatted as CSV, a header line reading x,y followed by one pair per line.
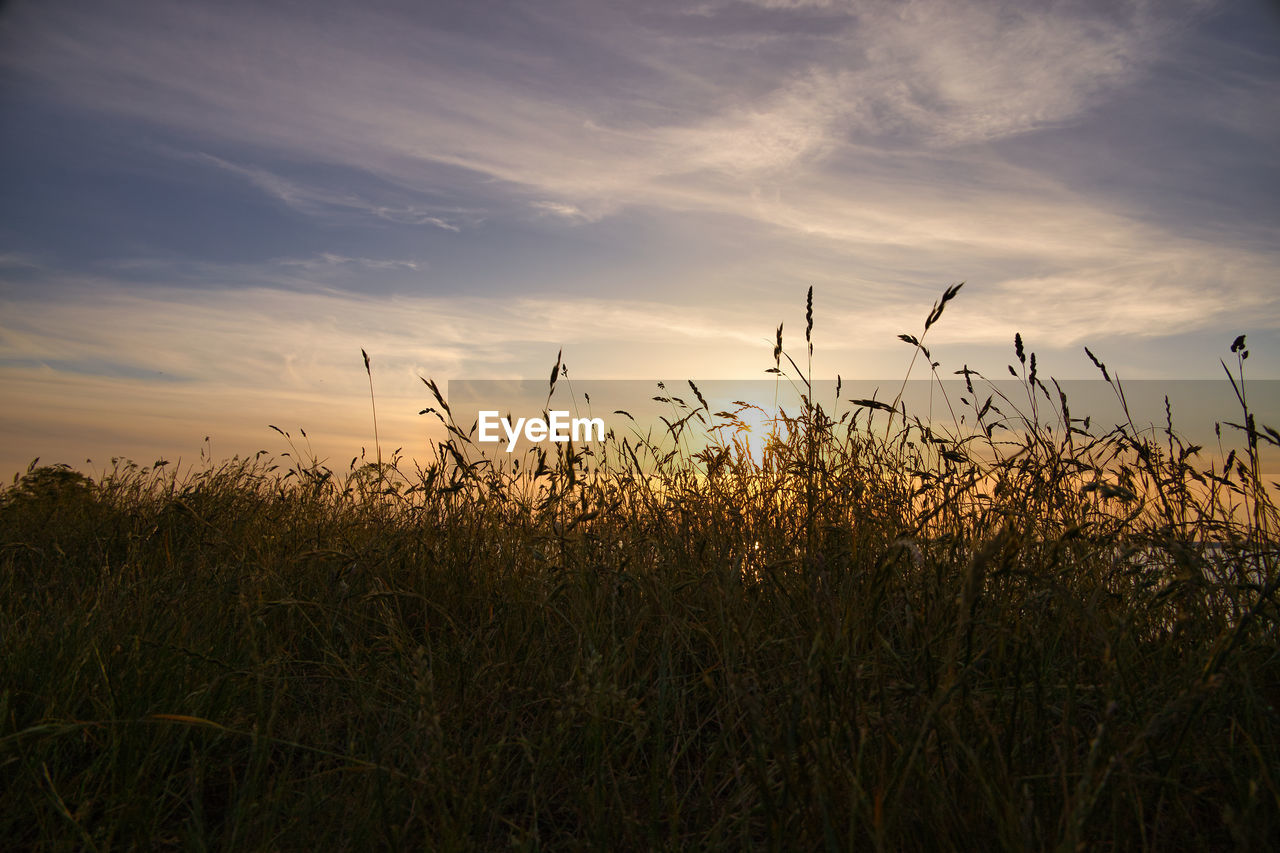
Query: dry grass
x,y
1022,636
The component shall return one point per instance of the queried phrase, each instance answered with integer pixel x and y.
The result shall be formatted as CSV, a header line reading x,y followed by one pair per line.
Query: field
x,y
1039,634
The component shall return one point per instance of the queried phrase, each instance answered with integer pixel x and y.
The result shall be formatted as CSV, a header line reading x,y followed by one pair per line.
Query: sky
x,y
208,210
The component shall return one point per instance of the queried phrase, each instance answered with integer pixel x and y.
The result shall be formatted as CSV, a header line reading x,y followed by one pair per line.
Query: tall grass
x,y
1021,633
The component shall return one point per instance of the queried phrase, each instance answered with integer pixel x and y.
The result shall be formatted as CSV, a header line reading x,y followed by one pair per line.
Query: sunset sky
x,y
208,209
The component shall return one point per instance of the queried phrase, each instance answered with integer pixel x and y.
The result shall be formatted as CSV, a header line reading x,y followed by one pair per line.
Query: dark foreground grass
x,y
908,642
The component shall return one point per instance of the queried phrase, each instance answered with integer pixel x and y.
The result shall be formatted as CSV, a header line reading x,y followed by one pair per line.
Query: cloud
x,y
570,212
878,142
330,260
18,261
370,92
265,338
959,73
317,201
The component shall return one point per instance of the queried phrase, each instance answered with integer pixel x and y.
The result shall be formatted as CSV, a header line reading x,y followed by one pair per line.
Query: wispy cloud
x,y
319,201
871,139
933,73
330,260
569,212
18,261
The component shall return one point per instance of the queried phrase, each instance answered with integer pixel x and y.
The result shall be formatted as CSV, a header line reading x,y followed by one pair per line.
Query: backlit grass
x,y
1033,635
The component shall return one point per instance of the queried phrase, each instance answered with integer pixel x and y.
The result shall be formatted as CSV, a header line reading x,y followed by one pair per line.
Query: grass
x,y
1026,633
